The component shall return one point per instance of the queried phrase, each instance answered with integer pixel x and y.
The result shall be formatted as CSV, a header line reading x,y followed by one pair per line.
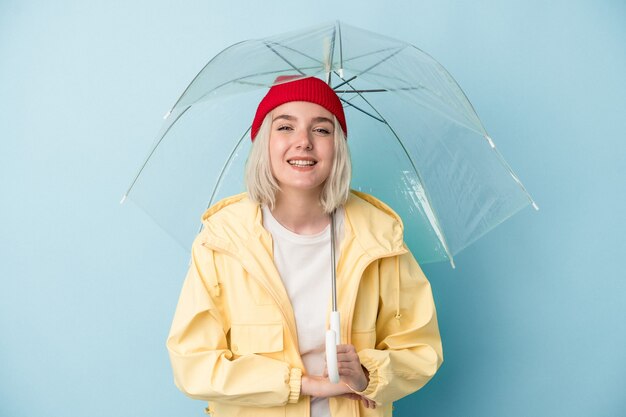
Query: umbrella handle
x,y
333,338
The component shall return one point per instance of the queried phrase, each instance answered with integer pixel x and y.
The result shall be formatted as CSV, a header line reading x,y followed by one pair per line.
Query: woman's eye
x,y
284,127
323,131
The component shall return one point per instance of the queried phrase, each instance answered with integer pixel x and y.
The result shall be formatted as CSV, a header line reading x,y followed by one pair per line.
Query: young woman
x,y
249,330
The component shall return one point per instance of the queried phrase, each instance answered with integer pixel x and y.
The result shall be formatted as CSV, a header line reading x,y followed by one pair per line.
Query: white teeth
x,y
299,163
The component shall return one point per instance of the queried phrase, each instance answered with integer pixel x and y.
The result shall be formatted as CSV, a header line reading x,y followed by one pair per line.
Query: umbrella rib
x,y
380,90
283,58
383,60
156,145
354,91
390,77
370,53
387,76
363,111
226,164
432,218
298,52
344,82
200,72
423,86
240,81
352,105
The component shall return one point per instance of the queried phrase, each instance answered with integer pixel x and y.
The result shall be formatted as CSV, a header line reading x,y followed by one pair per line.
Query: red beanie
x,y
309,89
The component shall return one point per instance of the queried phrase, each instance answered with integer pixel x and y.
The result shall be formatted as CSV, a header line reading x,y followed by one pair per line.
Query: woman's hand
x,y
367,403
319,386
353,377
351,372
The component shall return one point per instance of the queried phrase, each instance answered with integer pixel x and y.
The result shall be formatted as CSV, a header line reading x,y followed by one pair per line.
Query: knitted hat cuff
x,y
311,89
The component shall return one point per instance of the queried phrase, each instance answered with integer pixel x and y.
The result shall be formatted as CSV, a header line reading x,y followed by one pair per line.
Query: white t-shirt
x,y
304,264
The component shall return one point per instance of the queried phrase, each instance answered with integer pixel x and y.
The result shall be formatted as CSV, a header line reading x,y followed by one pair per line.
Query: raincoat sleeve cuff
x,y
295,383
374,377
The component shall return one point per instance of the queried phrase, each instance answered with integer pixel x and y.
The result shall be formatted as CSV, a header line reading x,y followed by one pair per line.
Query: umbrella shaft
x,y
332,260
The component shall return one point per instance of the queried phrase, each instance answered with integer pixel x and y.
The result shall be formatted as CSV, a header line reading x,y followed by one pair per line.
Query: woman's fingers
x,y
367,403
350,368
348,357
346,349
348,361
347,354
318,386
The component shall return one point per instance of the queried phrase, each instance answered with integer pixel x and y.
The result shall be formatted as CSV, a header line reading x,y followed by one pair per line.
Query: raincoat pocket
x,y
256,338
365,339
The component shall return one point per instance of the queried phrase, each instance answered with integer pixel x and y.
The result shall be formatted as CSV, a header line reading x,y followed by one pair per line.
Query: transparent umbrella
x,y
416,142
415,139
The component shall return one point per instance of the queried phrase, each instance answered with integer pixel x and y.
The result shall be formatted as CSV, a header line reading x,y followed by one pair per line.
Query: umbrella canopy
x,y
415,139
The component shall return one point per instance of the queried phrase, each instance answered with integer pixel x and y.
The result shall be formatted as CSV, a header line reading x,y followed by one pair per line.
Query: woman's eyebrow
x,y
284,116
293,118
322,119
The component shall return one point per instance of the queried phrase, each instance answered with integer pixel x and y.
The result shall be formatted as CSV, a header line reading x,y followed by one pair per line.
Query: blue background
x,y
533,318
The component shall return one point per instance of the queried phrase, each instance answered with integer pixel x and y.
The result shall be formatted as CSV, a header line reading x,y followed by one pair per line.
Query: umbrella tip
x,y
340,71
167,114
123,199
493,145
535,206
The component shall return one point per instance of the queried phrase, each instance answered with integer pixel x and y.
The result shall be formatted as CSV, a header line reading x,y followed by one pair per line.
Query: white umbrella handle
x,y
333,338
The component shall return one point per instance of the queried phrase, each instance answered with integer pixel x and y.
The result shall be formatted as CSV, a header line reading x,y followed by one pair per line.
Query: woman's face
x,y
301,146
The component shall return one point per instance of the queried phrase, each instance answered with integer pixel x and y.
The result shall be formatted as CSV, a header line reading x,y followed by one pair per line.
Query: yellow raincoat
x,y
233,340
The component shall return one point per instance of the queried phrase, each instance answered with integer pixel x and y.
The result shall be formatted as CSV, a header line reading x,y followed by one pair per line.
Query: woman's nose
x,y
304,140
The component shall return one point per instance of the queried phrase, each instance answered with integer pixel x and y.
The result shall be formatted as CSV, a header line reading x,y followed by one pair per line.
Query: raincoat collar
x,y
377,231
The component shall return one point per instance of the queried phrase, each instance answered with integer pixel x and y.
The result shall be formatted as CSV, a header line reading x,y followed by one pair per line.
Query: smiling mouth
x,y
301,163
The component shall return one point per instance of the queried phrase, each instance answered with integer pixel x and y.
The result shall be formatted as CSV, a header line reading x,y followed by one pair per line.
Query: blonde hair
x,y
262,186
